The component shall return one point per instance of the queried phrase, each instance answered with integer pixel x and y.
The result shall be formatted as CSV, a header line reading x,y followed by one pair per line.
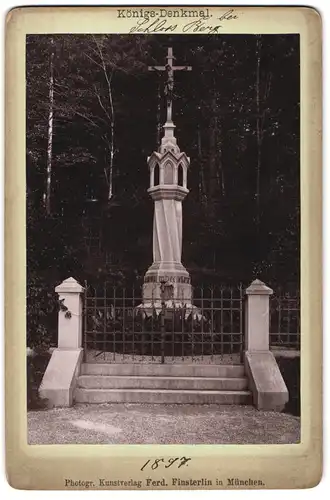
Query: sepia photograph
x,y
163,238
163,248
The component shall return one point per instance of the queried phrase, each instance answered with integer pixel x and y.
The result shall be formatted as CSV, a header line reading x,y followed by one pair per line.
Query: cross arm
x,y
182,68
156,68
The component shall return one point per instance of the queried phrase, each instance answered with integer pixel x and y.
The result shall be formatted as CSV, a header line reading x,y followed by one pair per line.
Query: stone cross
x,y
167,282
169,68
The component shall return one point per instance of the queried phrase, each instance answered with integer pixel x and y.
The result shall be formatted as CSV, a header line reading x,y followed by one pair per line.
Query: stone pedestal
x,y
60,377
70,315
178,292
265,379
257,316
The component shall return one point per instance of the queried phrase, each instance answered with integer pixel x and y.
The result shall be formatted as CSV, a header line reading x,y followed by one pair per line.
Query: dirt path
x,y
161,424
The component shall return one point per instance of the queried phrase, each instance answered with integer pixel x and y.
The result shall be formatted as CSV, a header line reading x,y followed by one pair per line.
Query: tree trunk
x,y
220,172
213,153
201,183
47,195
112,137
159,125
111,117
259,131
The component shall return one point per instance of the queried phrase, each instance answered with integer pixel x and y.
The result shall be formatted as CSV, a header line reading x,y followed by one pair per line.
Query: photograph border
x,y
277,466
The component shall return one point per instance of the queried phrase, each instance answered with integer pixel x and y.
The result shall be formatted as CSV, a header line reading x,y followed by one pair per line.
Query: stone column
x,y
59,381
257,316
167,226
265,379
70,314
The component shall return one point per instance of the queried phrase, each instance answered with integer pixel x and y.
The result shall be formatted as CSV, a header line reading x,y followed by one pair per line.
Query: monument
x,y
167,280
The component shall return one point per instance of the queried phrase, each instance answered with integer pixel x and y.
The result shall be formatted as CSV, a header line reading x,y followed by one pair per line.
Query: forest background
x,y
94,115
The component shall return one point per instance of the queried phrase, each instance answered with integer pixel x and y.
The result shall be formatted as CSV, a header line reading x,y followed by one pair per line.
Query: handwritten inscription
x,y
228,16
161,21
166,463
201,26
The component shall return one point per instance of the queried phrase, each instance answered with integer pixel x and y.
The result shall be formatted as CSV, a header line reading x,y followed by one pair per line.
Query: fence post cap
x,y
70,285
258,287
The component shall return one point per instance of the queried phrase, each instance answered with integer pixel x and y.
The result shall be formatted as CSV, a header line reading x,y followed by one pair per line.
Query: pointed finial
x,y
258,287
70,285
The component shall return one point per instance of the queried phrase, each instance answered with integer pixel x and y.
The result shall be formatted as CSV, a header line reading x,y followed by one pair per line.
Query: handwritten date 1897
x,y
166,463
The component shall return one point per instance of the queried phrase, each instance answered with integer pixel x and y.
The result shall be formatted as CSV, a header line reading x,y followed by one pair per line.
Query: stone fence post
x,y
60,378
70,314
265,379
257,317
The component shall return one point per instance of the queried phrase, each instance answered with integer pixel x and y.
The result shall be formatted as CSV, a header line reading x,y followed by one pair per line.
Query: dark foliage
x,y
36,367
290,369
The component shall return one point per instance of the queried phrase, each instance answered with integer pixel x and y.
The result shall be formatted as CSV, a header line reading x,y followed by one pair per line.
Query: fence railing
x,y
285,320
113,321
212,325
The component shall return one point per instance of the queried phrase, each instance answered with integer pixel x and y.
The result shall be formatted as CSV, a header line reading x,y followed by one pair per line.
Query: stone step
x,y
161,396
163,370
174,383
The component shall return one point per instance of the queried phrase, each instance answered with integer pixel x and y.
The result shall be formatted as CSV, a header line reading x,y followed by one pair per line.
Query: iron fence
x,y
118,327
285,320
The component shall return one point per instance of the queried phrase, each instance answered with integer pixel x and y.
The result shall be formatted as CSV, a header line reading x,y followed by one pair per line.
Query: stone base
x,y
60,377
176,279
265,381
178,292
167,268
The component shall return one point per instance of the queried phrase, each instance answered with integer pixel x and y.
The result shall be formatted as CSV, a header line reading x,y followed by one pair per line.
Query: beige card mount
x,y
163,248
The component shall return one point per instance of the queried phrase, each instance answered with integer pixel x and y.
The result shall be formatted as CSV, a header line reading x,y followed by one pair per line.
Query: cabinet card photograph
x,y
163,237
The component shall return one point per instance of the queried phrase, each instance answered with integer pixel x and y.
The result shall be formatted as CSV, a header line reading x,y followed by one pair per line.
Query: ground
x,y
161,424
